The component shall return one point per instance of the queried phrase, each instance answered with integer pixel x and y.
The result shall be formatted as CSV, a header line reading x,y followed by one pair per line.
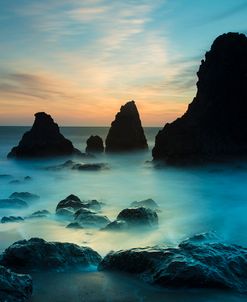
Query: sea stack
x,y
95,144
43,140
215,125
126,132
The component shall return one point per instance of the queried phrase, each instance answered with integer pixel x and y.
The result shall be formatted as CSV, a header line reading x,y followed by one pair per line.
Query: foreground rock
x,y
14,203
14,287
37,254
7,219
201,262
69,164
146,203
126,132
133,218
24,196
43,140
95,144
214,127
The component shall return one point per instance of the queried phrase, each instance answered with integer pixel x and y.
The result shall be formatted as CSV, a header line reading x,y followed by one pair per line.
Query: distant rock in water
x,y
37,254
24,196
43,140
14,287
215,125
198,262
95,144
126,132
7,219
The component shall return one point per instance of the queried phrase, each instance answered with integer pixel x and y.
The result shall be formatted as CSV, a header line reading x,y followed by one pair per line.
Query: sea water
x,y
191,199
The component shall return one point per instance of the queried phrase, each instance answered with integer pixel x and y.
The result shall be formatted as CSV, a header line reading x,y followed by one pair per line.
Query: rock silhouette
x,y
43,140
126,132
95,144
215,125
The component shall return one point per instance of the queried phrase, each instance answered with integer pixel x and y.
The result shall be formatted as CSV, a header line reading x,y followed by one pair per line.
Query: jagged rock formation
x,y
215,124
43,140
37,254
95,144
14,287
126,132
198,262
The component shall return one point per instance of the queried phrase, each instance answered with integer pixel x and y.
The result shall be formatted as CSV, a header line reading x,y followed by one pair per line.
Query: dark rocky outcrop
x,y
24,196
14,287
70,202
215,125
146,203
37,254
7,219
95,144
134,218
74,225
202,262
87,218
43,140
126,132
14,203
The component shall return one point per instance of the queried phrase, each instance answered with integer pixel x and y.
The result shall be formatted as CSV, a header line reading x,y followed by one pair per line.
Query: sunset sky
x,y
79,60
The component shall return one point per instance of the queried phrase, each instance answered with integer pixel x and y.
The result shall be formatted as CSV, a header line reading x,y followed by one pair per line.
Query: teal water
x,y
192,200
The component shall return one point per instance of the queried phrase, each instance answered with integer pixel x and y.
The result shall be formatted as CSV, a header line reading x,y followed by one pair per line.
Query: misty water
x,y
191,200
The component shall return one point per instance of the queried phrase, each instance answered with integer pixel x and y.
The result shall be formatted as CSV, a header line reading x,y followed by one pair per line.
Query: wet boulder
x,y
117,226
69,164
126,132
43,140
40,214
70,202
14,203
74,225
147,203
87,218
14,287
202,262
7,219
37,254
24,196
95,144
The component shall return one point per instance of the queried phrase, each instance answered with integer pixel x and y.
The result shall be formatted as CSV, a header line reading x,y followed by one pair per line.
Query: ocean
x,y
191,199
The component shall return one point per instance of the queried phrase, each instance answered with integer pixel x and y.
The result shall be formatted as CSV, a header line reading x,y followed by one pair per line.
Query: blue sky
x,y
80,60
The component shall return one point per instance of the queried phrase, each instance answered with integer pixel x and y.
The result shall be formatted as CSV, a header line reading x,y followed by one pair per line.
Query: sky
x,y
80,60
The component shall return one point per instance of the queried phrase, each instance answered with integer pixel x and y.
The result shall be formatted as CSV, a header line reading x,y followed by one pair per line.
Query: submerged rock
x,y
95,144
24,196
87,218
126,132
40,214
37,254
7,219
14,287
43,140
14,203
200,263
69,164
214,127
146,203
134,218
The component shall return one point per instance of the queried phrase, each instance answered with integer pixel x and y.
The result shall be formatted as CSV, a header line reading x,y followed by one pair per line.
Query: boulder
x,y
132,219
146,203
43,140
69,164
95,144
37,254
14,203
87,218
126,132
24,196
193,264
74,225
214,128
7,219
14,287
70,202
